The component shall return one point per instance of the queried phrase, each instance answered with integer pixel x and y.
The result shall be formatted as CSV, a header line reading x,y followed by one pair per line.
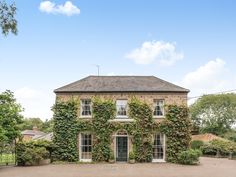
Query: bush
x,y
131,155
196,144
222,146
208,149
30,153
231,135
189,157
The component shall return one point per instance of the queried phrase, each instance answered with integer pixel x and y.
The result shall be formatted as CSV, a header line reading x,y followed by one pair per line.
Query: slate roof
x,y
120,84
47,137
32,132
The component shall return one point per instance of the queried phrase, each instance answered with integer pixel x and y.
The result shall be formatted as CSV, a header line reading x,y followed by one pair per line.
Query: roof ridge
x,y
121,83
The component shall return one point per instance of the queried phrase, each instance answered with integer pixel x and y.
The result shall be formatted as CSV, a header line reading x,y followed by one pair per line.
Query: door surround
x,y
121,133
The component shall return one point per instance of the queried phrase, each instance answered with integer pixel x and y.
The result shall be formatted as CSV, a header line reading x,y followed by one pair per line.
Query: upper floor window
x,y
121,108
158,108
86,107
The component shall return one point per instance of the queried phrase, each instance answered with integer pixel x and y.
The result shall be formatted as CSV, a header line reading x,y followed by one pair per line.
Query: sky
x,y
189,43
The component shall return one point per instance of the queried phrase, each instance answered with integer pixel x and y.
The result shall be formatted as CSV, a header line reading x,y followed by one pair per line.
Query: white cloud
x,y
207,76
35,103
163,52
212,77
68,8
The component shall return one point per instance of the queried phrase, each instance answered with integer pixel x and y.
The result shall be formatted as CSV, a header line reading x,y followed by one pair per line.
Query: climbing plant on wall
x,y
65,131
103,111
142,132
177,128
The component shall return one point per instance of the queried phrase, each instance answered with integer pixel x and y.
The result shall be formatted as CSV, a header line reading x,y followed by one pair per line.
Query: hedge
x,y
30,153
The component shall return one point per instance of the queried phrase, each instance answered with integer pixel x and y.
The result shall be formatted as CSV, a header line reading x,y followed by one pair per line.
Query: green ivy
x,y
142,132
65,131
103,111
177,128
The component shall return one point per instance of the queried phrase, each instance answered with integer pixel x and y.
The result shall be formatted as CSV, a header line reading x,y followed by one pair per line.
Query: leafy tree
x,y
47,126
44,126
8,21
29,123
214,113
10,116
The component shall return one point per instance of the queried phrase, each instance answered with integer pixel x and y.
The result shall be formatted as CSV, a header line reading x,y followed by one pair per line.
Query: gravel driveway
x,y
209,167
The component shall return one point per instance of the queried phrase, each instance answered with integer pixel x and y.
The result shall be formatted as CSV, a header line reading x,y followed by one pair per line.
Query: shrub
x,y
224,147
30,153
208,149
131,155
189,157
231,135
196,144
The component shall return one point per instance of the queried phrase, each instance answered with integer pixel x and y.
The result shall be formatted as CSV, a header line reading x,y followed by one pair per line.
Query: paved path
x,y
209,167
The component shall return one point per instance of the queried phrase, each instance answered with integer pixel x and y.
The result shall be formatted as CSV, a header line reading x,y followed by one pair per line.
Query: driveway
x,y
209,167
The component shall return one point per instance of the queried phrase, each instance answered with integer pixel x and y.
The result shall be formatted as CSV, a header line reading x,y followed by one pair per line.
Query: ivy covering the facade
x,y
65,131
142,132
177,128
67,126
103,111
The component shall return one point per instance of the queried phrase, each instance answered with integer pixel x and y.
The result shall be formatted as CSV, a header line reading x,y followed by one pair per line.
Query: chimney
x,y
35,128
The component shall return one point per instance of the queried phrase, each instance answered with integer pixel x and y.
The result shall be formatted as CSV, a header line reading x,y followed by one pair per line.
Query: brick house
x,y
152,90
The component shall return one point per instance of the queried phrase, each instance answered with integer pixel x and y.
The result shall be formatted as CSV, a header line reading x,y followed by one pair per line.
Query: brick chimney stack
x,y
35,128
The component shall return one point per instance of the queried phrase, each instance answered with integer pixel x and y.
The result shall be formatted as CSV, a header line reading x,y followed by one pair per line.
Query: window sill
x,y
85,117
85,160
121,117
158,161
121,120
158,117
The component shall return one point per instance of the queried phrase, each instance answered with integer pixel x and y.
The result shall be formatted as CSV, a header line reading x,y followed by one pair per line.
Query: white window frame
x,y
164,148
81,108
155,104
122,116
80,147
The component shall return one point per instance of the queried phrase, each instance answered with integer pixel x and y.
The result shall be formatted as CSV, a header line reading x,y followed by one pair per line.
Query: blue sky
x,y
190,43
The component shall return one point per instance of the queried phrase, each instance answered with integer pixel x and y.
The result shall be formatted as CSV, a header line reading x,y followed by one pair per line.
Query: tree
x,y
47,126
44,126
8,21
29,123
214,113
10,117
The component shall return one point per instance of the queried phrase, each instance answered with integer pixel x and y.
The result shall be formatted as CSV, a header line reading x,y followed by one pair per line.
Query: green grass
x,y
7,159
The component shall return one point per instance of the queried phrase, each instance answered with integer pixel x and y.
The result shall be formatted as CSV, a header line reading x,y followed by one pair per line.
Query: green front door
x,y
121,149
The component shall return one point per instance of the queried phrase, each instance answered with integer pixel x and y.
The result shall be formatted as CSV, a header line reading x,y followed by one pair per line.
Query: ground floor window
x,y
159,147
85,146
